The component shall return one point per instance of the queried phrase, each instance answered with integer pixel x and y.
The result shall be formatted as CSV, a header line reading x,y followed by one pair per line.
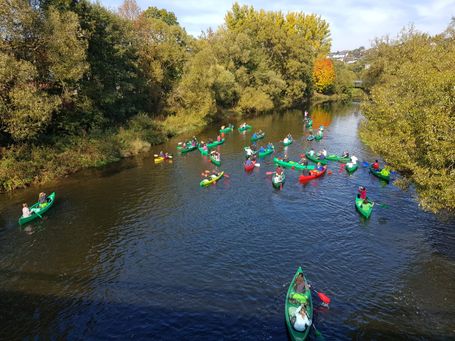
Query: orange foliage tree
x,y
324,75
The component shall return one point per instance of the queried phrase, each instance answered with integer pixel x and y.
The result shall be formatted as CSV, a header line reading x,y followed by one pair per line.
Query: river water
x,y
138,250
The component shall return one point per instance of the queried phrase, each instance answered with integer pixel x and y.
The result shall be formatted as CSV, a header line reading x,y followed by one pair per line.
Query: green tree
x,y
410,115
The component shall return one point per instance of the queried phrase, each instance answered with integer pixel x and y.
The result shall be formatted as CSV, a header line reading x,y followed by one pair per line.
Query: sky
x,y
353,23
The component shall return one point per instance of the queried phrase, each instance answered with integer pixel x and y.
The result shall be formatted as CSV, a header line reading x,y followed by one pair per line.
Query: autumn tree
x,y
324,75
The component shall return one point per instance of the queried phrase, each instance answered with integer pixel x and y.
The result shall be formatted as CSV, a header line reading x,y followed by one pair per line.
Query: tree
x,y
410,116
161,14
129,10
324,75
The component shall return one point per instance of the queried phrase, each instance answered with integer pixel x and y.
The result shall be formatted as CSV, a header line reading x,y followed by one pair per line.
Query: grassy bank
x,y
26,164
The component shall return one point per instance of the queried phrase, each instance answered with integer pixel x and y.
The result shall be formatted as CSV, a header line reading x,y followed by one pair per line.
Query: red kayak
x,y
313,175
249,167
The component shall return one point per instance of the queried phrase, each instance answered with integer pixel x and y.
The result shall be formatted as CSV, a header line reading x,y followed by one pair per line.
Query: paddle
x,y
380,204
34,211
323,297
257,165
317,332
269,173
226,175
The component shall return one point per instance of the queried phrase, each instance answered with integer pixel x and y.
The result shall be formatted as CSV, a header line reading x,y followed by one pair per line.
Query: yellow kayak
x,y
213,179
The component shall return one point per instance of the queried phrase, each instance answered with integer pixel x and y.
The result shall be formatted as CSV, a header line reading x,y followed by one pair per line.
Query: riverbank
x,y
27,164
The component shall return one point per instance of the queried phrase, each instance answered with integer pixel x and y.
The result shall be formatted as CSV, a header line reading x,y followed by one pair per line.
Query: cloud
x,y
353,23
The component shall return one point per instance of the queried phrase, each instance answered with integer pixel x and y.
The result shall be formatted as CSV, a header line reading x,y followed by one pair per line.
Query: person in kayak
x,y
362,193
26,211
299,285
376,165
345,154
303,161
301,319
311,152
42,200
279,170
270,145
354,159
161,153
248,161
322,154
262,149
289,137
254,136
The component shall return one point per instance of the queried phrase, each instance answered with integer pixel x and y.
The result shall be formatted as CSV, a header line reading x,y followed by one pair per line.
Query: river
x,y
138,250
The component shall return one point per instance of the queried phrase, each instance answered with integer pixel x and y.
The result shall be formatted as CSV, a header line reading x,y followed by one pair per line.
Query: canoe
x,y
309,123
268,151
287,142
318,137
249,151
249,167
247,127
215,143
187,149
364,209
313,175
228,129
310,137
213,179
40,211
159,159
258,137
379,174
291,164
215,161
293,301
315,159
203,151
278,180
351,169
333,157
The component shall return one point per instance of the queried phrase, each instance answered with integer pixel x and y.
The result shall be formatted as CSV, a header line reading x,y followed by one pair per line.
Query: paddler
x,y
26,211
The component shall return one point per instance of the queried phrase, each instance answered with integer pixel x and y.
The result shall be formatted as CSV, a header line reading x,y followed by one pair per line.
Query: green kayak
x,y
268,151
215,143
351,169
203,151
211,180
318,136
278,180
247,127
291,164
186,149
37,211
379,174
228,129
215,161
364,209
287,142
256,137
333,157
293,302
315,159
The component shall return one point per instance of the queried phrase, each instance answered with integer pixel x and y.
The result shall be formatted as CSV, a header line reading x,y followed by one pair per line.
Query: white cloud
x,y
353,22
